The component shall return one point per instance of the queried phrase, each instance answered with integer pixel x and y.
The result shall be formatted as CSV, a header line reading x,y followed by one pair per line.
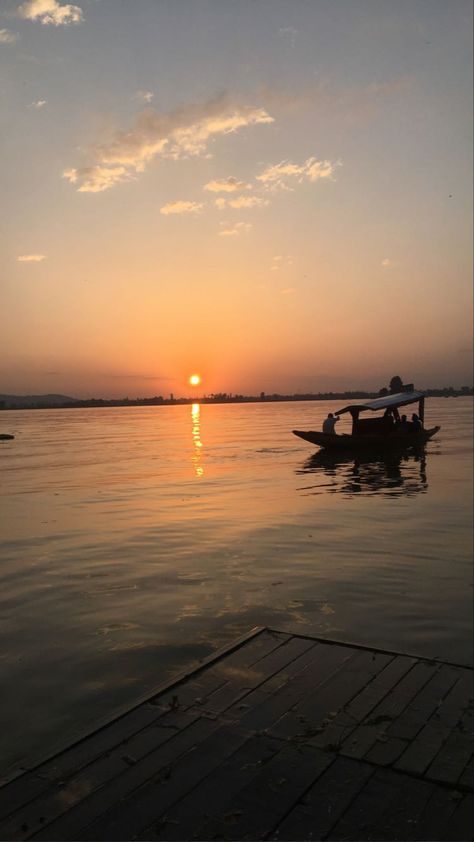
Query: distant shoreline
x,y
42,402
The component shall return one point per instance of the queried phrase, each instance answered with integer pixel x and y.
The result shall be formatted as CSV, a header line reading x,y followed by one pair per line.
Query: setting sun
x,y
194,380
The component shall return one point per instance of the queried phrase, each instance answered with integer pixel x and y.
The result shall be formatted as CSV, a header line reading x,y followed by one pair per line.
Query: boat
x,y
377,433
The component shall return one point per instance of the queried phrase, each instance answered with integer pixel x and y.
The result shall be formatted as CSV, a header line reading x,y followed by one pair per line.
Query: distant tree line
x,y
15,402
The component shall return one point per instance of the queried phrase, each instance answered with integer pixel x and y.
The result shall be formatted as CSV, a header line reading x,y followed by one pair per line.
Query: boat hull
x,y
392,441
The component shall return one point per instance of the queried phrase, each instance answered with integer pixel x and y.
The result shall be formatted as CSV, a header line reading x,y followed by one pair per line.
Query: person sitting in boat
x,y
329,423
389,420
416,424
403,425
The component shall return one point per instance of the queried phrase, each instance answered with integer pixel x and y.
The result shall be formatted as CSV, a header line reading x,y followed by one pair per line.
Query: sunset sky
x,y
273,194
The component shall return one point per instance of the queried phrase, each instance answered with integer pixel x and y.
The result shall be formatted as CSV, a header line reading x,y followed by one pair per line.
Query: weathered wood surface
x,y
280,737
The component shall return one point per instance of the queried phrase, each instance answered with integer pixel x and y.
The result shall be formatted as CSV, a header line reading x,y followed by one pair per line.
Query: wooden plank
x,y
379,687
426,702
312,669
129,817
215,675
398,822
214,794
323,805
467,778
337,729
270,687
62,796
339,689
361,647
148,698
29,785
424,748
385,751
381,717
241,681
433,821
156,764
384,809
206,756
19,792
455,754
366,811
258,808
26,785
391,745
460,827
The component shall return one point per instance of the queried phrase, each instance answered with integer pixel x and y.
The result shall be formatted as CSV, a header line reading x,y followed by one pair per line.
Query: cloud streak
x,y
144,96
241,202
281,175
289,32
179,207
31,258
50,12
227,185
182,133
235,230
95,179
7,37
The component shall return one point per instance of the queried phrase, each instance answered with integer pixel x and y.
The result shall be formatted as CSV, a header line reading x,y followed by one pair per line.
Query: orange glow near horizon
x,y
194,380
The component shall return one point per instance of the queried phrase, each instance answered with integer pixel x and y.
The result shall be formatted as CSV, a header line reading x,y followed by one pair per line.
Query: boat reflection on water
x,y
393,474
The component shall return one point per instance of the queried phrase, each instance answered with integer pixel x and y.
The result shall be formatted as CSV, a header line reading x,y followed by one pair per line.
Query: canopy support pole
x,y
421,410
355,418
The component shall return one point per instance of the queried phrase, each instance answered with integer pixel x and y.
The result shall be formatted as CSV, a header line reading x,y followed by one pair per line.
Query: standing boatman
x,y
329,424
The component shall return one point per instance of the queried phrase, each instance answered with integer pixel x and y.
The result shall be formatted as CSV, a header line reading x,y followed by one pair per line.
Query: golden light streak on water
x,y
196,419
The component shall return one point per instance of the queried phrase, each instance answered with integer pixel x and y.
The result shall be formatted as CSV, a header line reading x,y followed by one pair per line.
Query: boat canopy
x,y
400,399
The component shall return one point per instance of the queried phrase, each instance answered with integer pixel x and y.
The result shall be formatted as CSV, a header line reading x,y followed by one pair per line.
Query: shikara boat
x,y
380,432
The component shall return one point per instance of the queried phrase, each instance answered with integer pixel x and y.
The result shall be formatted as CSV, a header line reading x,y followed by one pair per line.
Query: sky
x,y
275,195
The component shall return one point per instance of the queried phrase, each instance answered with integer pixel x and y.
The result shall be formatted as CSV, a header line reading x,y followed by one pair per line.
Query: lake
x,y
138,540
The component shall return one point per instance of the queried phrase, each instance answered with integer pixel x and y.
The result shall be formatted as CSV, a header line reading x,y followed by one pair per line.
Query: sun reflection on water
x,y
196,419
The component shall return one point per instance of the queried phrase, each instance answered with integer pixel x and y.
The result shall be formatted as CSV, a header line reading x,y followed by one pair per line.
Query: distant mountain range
x,y
34,400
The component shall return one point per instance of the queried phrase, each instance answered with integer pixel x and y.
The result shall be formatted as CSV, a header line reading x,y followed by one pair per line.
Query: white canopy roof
x,y
400,399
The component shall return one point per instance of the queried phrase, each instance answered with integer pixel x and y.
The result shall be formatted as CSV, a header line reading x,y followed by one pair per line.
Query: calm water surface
x,y
138,540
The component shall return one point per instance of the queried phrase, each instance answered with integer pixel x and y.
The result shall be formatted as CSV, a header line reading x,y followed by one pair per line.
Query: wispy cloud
x,y
349,103
182,133
280,261
181,207
31,258
279,175
235,230
95,179
40,103
227,185
7,37
241,202
289,32
144,96
50,12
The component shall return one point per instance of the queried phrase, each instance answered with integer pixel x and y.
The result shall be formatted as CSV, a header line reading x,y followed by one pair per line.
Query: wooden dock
x,y
276,737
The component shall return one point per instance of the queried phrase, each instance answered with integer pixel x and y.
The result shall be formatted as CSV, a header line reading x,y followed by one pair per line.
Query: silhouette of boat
x,y
380,433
